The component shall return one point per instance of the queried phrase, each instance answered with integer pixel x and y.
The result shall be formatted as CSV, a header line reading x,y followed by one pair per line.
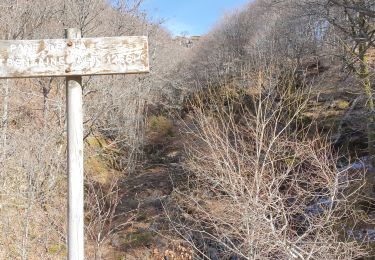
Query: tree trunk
x,y
366,85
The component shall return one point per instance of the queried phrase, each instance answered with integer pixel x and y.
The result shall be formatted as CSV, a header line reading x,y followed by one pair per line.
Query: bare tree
x,y
23,19
355,25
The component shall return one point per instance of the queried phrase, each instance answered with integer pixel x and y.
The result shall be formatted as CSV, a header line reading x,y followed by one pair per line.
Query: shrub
x,y
262,188
160,127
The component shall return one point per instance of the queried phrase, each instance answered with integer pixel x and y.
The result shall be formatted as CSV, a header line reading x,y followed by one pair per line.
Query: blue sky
x,y
193,16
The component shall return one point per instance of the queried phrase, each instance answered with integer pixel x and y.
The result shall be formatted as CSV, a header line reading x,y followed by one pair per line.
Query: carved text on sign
x,y
86,56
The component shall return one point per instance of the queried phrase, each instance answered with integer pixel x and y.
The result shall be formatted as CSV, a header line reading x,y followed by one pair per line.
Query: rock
x,y
173,154
155,203
319,207
128,204
212,254
367,234
116,241
342,104
139,238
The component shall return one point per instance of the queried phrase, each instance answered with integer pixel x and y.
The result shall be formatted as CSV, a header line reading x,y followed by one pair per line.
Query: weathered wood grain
x,y
74,57
74,109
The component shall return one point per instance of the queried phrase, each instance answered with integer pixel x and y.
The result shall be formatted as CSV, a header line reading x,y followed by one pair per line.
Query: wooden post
x,y
75,160
72,58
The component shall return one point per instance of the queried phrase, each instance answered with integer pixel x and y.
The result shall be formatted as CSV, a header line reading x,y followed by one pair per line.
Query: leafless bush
x,y
31,196
102,213
263,188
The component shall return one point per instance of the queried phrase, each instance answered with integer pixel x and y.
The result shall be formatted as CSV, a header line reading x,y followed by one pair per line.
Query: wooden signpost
x,y
73,58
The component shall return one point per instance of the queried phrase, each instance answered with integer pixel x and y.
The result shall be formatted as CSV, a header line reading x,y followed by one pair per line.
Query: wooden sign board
x,y
76,57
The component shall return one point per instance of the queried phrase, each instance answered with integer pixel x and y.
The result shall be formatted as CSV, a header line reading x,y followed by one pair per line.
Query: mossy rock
x,y
98,169
58,249
292,161
342,104
142,216
96,141
99,143
330,121
331,113
100,164
306,119
162,125
138,238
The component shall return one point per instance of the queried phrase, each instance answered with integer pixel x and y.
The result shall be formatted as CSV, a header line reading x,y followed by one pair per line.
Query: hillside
x,y
254,141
